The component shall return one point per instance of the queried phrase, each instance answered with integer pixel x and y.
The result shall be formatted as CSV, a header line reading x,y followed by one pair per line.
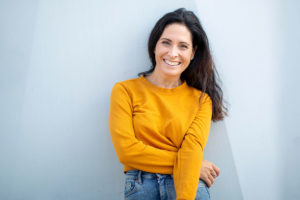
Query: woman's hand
x,y
209,172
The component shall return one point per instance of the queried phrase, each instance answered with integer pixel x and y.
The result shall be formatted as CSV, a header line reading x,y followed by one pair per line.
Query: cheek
x,y
160,53
188,57
157,57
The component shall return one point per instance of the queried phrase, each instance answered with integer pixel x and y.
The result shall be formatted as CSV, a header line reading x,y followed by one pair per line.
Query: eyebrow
x,y
171,41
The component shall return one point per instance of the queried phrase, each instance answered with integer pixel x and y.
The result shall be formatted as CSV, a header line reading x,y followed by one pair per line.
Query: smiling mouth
x,y
171,63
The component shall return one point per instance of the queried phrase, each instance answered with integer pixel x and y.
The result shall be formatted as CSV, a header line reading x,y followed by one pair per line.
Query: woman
x,y
160,122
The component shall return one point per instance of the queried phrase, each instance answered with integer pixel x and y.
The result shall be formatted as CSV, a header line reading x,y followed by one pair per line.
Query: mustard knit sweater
x,y
161,130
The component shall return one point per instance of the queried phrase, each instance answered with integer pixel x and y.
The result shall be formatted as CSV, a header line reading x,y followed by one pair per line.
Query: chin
x,y
172,73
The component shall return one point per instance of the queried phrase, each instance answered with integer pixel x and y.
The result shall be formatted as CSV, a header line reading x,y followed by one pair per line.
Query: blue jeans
x,y
141,185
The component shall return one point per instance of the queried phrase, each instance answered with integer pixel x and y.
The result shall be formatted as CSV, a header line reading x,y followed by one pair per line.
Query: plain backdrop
x,y
60,59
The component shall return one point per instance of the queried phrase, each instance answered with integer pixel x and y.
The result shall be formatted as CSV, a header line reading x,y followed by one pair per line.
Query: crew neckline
x,y
175,90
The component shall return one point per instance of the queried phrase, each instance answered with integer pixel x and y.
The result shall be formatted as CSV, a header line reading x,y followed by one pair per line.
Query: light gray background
x,y
60,59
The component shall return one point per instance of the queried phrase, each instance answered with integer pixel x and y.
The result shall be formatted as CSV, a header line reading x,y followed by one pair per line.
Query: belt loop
x,y
140,181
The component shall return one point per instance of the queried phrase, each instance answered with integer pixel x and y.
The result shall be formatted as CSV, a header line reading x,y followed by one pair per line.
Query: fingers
x,y
208,181
209,172
211,179
216,169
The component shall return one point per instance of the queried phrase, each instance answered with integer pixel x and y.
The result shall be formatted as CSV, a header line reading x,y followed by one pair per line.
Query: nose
x,y
173,52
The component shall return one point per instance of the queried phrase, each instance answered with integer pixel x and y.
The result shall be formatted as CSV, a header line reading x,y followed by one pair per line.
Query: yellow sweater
x,y
161,130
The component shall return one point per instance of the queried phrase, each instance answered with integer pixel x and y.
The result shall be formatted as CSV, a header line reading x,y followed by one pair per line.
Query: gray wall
x,y
256,45
60,59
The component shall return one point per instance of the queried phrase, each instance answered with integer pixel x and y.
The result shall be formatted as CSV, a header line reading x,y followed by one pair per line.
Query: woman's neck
x,y
163,81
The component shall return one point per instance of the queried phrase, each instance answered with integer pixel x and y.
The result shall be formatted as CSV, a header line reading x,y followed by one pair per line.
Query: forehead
x,y
177,32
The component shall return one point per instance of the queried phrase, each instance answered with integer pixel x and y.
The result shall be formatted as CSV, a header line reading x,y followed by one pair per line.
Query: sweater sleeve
x,y
187,166
131,151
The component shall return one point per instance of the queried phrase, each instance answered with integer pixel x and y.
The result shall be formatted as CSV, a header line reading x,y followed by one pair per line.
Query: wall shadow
x,y
218,150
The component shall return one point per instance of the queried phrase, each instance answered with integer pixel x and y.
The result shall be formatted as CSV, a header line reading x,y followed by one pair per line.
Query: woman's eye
x,y
183,46
165,42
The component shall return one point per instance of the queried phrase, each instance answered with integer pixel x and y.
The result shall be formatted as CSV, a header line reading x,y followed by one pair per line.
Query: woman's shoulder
x,y
129,83
197,93
128,86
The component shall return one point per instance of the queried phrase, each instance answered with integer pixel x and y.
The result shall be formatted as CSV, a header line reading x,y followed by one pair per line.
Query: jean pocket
x,y
202,191
130,187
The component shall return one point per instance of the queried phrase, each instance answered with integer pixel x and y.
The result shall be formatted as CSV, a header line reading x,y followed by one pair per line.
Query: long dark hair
x,y
201,72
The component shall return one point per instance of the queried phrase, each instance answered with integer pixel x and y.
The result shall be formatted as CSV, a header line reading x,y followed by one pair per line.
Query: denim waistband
x,y
138,174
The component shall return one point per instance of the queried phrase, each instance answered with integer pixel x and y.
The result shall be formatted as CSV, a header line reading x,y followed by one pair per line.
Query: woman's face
x,y
174,50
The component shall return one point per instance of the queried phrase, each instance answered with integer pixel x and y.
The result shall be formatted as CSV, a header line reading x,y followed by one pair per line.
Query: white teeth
x,y
172,63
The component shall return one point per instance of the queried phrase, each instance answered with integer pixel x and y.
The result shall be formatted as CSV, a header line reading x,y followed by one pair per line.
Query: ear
x,y
194,51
